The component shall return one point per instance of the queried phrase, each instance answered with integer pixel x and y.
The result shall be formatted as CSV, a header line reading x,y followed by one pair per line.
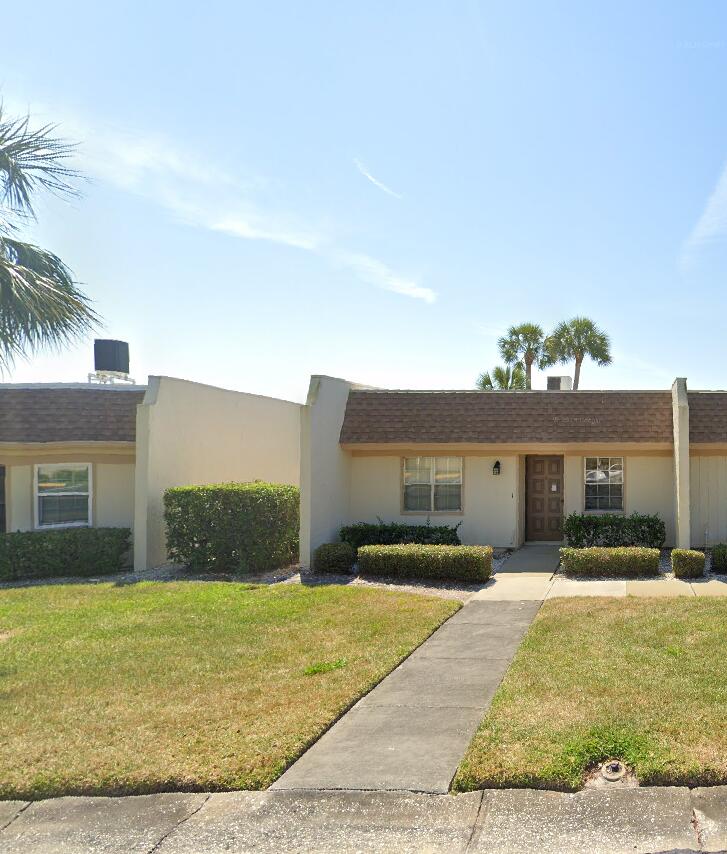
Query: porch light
x,y
496,468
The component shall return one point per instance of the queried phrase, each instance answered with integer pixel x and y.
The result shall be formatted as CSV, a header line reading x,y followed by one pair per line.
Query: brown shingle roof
x,y
707,416
528,416
68,414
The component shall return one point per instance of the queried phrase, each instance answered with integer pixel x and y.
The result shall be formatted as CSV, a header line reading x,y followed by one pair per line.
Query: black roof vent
x,y
111,355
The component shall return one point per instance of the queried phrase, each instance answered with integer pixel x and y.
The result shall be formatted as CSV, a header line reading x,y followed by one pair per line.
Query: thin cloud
x,y
378,274
712,224
375,181
201,195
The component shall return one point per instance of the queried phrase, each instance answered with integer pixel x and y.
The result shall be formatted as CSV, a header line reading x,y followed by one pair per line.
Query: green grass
x,y
186,686
643,680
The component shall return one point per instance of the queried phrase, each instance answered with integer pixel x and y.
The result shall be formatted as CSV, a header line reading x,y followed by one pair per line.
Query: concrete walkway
x,y
412,730
596,821
533,558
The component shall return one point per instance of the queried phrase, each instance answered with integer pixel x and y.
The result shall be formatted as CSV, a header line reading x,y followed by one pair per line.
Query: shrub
x,y
334,557
233,527
627,561
583,530
687,563
413,560
395,533
719,557
69,551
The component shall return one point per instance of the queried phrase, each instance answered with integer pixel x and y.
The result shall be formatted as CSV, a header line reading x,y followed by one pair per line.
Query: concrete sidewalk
x,y
411,731
596,821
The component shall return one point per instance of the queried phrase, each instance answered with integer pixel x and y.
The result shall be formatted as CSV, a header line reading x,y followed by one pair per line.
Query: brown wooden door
x,y
543,498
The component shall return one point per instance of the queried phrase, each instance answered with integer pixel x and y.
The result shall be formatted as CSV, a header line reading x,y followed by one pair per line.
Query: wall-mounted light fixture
x,y
496,468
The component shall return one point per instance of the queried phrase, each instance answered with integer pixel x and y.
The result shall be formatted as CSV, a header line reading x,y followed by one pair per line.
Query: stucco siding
x,y
648,487
708,490
192,434
325,467
19,498
490,502
113,495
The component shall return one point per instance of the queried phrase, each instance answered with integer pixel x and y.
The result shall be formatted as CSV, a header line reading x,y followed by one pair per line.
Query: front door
x,y
543,498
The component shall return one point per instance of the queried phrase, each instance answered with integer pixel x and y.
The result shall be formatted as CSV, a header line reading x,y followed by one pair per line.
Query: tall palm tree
x,y
573,340
525,343
503,378
40,305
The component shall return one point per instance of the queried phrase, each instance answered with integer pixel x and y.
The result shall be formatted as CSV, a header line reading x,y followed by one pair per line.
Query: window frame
x,y
36,496
432,483
600,512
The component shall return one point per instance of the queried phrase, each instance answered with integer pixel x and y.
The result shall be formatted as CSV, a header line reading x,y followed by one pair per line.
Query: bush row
x,y
412,560
583,530
393,533
334,557
69,551
233,527
687,563
625,561
719,557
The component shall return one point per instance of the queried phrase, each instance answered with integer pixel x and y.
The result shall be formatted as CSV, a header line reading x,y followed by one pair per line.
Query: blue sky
x,y
378,190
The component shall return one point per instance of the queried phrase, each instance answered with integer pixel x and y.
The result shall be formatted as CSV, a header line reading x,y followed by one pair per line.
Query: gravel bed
x,y
459,590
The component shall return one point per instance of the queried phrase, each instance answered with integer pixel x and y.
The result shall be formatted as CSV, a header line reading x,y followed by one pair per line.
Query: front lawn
x,y
191,686
643,680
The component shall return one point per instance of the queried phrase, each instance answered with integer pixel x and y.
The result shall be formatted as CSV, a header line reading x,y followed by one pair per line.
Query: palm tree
x,y
40,305
573,340
503,378
525,343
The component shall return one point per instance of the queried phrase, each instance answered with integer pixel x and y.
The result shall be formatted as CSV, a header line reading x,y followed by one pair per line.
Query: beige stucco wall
x,y
648,487
191,434
325,486
112,495
19,498
708,492
490,502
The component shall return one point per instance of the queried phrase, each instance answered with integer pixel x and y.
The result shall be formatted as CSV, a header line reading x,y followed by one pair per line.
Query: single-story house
x,y
83,454
509,465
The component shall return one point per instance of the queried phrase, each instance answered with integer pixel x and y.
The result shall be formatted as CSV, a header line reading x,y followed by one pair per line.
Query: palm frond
x,y
40,305
31,160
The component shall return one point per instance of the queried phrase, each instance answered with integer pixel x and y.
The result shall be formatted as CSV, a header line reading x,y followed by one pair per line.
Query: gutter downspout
x,y
680,411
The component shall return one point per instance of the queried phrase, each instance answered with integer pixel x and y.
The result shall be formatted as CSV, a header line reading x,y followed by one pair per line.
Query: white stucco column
x,y
680,411
325,469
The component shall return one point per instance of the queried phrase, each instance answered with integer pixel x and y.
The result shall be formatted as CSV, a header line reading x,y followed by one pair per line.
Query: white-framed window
x,y
432,484
604,483
62,495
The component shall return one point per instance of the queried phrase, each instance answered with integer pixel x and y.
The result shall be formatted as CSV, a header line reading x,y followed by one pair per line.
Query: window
x,y
604,483
62,495
433,484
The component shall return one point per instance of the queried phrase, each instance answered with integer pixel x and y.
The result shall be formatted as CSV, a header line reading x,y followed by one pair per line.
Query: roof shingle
x,y
512,417
70,414
707,416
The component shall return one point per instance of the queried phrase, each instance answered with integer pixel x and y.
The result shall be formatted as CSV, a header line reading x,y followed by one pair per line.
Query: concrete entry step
x,y
411,731
533,557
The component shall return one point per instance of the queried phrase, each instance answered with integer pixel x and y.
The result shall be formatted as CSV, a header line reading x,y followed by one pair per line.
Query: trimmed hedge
x,y
625,561
414,560
233,527
65,552
719,557
334,557
687,563
585,530
396,533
